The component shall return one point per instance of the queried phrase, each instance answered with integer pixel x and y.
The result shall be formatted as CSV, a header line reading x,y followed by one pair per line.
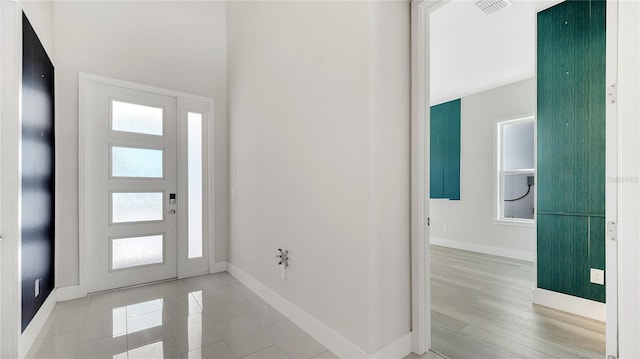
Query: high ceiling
x,y
473,52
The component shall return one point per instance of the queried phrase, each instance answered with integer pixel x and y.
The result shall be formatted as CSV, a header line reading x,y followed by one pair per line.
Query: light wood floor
x,y
481,308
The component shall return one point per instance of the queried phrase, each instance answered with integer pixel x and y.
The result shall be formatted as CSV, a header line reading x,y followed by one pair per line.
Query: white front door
x,y
131,186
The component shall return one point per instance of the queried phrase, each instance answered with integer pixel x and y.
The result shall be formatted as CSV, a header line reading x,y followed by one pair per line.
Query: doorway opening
x,y
496,210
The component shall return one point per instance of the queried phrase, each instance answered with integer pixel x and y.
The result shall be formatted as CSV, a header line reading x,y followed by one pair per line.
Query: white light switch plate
x,y
597,276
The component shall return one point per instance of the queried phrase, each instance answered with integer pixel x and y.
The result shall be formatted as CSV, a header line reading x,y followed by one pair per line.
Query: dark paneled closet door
x,y
37,174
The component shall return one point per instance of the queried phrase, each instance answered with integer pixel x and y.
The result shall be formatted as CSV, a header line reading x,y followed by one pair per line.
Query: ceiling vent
x,y
492,6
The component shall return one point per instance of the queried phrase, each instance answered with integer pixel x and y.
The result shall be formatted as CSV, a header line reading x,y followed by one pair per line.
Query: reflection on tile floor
x,y
427,355
210,316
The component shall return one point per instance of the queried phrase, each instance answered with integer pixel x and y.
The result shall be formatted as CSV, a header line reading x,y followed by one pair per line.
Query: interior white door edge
x,y
611,187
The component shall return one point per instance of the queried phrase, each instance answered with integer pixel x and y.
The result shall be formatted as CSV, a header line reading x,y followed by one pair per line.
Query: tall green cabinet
x,y
571,147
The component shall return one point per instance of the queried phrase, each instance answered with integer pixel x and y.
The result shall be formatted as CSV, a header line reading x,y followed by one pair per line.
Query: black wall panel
x,y
38,170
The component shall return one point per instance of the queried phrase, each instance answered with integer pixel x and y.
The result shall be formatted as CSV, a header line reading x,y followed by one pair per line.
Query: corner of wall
x,y
335,342
42,18
389,177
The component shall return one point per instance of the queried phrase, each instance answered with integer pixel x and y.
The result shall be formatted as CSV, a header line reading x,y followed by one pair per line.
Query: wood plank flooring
x,y
481,308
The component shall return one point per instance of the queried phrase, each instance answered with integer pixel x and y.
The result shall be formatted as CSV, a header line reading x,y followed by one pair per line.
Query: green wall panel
x,y
451,167
572,246
445,150
436,174
562,266
571,146
596,242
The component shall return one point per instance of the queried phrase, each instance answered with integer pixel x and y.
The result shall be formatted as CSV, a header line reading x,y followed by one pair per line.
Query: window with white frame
x,y
516,170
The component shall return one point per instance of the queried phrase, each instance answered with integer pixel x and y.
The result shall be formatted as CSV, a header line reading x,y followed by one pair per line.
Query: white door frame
x,y
420,262
622,133
184,101
611,187
628,174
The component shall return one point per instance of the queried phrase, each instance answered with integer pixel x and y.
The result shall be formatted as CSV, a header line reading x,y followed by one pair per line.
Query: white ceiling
x,y
473,52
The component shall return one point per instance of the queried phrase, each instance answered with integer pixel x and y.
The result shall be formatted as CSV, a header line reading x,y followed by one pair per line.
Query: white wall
x,y
41,17
319,136
175,45
469,222
389,168
488,51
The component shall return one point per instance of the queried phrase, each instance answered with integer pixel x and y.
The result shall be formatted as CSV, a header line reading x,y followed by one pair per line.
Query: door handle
x,y
1,237
172,211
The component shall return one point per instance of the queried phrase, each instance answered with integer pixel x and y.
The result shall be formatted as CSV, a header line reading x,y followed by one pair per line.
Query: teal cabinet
x,y
571,94
445,150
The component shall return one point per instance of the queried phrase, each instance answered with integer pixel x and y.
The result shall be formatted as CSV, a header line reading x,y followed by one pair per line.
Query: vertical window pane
x,y
136,206
130,117
518,145
136,162
136,251
518,196
194,163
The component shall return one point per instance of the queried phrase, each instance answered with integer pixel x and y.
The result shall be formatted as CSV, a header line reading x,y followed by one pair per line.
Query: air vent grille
x,y
492,6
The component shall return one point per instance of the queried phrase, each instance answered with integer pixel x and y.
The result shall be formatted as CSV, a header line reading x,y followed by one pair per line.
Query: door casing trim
x,y
84,79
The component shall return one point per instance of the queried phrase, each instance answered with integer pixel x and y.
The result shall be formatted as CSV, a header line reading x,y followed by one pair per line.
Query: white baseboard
x,y
570,304
481,248
398,349
32,331
218,267
335,342
80,291
71,292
